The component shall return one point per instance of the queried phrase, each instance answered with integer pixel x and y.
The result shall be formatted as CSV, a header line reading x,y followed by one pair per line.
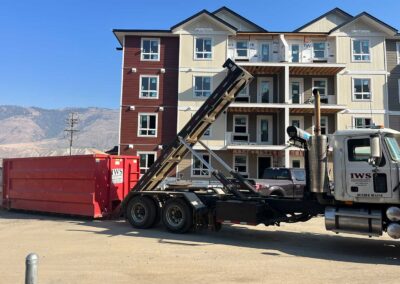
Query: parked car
x,y
287,182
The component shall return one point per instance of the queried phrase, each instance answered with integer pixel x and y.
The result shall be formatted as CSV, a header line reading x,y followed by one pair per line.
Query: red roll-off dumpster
x,y
86,185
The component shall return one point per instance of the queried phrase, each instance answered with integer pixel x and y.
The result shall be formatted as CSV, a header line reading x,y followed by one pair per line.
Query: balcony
x,y
243,141
309,108
277,48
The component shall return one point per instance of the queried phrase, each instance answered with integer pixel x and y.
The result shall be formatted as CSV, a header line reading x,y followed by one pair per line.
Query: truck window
x,y
393,146
359,150
276,174
299,175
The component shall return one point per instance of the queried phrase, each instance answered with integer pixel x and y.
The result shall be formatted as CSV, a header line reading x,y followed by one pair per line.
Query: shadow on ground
x,y
271,243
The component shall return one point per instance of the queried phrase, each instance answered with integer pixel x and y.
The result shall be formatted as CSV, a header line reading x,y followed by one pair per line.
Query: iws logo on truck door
x,y
360,179
117,176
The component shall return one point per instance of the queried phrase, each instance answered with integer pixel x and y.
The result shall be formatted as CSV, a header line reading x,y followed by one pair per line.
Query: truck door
x,y
361,180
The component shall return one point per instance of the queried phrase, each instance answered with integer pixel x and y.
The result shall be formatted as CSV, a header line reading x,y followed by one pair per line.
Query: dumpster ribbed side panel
x,y
76,185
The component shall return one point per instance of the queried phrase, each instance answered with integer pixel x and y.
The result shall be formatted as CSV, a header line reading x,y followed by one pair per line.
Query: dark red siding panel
x,y
167,94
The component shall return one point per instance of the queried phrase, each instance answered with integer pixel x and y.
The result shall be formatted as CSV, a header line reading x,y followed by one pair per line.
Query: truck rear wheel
x,y
141,212
177,216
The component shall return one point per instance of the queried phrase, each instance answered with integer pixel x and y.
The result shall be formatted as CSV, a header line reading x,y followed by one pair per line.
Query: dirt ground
x,y
83,251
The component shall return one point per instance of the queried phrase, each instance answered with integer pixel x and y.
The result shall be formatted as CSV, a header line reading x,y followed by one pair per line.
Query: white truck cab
x,y
357,177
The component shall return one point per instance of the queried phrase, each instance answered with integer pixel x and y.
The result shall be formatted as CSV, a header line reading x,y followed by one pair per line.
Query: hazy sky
x,y
59,53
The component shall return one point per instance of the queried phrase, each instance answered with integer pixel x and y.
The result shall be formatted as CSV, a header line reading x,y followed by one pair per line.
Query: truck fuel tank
x,y
353,221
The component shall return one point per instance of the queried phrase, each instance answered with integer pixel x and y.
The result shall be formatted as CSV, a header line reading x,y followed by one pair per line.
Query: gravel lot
x,y
83,251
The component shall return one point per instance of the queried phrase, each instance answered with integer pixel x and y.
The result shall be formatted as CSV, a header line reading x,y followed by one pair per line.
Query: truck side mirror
x,y
376,152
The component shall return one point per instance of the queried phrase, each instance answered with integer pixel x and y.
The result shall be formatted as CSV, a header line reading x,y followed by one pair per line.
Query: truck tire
x,y
177,216
141,212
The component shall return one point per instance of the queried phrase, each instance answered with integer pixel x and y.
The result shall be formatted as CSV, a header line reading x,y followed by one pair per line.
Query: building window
x,y
240,126
362,122
319,50
265,91
146,160
147,125
265,51
240,165
264,129
202,86
242,49
296,164
294,52
361,50
296,123
203,48
148,87
398,51
322,86
398,87
207,133
361,89
324,125
198,168
150,49
243,95
296,91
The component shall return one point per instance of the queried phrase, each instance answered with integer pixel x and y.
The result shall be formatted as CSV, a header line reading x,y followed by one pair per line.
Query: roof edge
x,y
367,15
323,15
204,11
240,17
139,31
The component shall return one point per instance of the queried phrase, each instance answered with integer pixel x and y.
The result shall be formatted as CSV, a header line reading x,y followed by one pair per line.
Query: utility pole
x,y
72,121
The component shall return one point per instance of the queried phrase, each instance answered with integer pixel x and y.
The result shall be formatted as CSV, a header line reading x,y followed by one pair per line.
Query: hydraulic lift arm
x,y
236,79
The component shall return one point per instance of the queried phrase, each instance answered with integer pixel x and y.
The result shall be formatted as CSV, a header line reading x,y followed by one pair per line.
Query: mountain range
x,y
33,131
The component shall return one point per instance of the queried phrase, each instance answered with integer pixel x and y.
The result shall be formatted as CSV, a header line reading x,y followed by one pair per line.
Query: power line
x,y
71,122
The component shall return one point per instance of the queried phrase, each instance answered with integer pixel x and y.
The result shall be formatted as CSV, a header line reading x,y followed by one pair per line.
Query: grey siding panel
x,y
282,129
281,87
253,91
391,56
394,122
393,89
394,69
308,85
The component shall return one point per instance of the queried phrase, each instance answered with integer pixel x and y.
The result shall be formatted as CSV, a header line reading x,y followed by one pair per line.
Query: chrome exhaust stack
x,y
317,149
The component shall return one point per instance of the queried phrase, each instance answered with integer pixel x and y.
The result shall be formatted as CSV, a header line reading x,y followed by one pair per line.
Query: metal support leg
x,y
245,183
226,183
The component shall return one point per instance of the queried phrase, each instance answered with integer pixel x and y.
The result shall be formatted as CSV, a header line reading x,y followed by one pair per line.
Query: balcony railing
x,y
279,51
296,100
232,138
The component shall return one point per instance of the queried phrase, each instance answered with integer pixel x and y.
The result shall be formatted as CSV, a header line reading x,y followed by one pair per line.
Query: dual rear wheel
x,y
142,212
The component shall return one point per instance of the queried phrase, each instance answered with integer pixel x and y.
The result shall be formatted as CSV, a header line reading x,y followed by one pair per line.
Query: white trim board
x,y
365,72
364,111
121,95
201,69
